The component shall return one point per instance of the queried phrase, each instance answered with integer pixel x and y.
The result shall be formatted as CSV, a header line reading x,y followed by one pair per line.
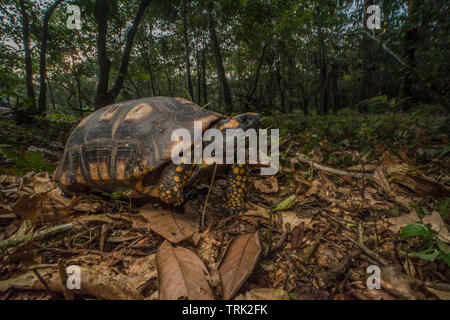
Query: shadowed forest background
x,y
364,141
265,56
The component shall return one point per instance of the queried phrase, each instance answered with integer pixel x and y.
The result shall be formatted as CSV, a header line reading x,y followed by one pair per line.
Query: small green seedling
x,y
430,246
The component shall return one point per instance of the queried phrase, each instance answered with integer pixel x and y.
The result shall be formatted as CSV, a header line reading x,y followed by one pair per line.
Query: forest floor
x,y
347,188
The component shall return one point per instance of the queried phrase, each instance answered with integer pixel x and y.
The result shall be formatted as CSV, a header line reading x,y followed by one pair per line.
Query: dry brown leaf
x,y
380,178
264,294
268,185
181,274
314,189
238,263
41,185
435,219
172,226
97,280
293,220
402,174
421,185
29,206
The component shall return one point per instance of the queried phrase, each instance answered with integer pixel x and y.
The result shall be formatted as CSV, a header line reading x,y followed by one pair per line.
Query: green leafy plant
x,y
430,246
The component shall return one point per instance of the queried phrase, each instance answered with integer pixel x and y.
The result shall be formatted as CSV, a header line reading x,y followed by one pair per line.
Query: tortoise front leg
x,y
236,189
173,179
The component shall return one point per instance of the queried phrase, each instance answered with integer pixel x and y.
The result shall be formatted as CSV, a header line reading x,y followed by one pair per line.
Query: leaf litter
x,y
310,232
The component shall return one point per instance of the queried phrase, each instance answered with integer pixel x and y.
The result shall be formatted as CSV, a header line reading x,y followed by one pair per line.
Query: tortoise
x,y
127,146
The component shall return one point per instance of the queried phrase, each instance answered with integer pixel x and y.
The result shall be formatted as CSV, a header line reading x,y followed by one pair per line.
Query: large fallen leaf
x,y
238,263
264,294
380,178
293,220
435,219
98,281
41,185
181,274
29,206
403,174
171,226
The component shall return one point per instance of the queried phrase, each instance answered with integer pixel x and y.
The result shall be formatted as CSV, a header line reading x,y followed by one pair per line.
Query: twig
x,y
305,159
38,234
63,277
44,284
207,196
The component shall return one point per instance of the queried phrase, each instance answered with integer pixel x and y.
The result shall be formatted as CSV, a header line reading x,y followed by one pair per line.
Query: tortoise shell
x,y
123,142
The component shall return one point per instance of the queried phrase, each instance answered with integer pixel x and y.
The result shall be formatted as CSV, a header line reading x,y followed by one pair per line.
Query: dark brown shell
x,y
127,140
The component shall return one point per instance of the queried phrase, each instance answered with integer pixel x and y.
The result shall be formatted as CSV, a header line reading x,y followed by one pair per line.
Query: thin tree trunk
x,y
164,52
80,103
101,11
199,78
409,45
204,84
114,92
51,94
323,70
42,63
258,70
187,51
333,76
28,63
105,97
151,81
219,62
365,72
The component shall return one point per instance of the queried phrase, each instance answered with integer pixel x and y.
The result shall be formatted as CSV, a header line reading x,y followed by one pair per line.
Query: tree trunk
x,y
365,72
164,52
199,78
333,76
151,81
187,51
101,11
305,99
204,84
409,47
255,84
42,63
114,92
219,62
323,70
105,97
51,94
28,63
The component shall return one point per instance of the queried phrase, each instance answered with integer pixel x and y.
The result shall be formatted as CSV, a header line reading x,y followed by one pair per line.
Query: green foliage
x,y
61,118
29,161
430,247
444,209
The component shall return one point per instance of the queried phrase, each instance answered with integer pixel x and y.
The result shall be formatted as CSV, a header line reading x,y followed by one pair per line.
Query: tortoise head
x,y
243,121
248,120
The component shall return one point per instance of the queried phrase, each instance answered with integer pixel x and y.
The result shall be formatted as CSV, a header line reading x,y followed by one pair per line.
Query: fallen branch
x,y
305,159
38,234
